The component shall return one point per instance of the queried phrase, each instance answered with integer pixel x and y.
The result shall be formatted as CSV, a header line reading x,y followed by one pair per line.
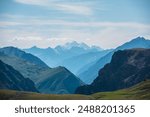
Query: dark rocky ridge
x,y
127,68
92,71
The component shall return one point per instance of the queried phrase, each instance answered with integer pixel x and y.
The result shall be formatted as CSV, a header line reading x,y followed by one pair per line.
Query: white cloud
x,y
26,31
113,36
34,2
44,33
43,22
76,9
108,37
65,7
8,23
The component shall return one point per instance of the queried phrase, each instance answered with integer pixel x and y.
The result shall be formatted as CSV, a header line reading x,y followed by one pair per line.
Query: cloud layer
x,y
104,34
52,22
60,5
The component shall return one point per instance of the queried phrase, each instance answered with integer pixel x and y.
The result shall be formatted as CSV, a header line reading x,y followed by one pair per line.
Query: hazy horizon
x,y
48,23
64,44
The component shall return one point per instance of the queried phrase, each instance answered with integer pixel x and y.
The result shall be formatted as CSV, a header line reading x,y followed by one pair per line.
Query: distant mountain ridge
x,y
12,79
72,44
127,68
75,56
59,55
92,72
76,63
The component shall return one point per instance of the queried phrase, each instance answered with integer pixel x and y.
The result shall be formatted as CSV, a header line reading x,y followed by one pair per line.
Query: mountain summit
x,y
56,56
92,72
69,45
72,44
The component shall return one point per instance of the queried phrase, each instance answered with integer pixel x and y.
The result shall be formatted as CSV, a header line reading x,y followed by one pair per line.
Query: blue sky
x,y
44,23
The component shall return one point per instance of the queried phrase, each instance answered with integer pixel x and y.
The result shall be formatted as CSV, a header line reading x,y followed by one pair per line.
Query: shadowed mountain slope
x,y
47,80
58,81
12,79
127,68
92,72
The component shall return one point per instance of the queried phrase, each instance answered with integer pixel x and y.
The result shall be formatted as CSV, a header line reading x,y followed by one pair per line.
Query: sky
x,y
48,23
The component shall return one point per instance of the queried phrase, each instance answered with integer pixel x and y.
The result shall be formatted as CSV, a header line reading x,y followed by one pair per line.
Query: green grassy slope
x,y
139,91
18,95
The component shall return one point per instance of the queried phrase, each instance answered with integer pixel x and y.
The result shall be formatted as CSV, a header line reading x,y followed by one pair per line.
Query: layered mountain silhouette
x,y
41,73
127,68
89,74
12,79
69,55
123,67
76,63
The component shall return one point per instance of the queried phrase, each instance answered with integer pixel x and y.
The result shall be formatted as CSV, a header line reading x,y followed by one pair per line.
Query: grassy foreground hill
x,y
18,95
140,91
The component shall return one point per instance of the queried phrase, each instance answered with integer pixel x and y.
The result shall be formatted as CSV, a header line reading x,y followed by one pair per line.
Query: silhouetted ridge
x,y
127,68
92,72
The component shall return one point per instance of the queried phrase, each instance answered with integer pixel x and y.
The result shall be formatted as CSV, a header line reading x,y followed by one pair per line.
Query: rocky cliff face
x,y
12,79
92,71
127,68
